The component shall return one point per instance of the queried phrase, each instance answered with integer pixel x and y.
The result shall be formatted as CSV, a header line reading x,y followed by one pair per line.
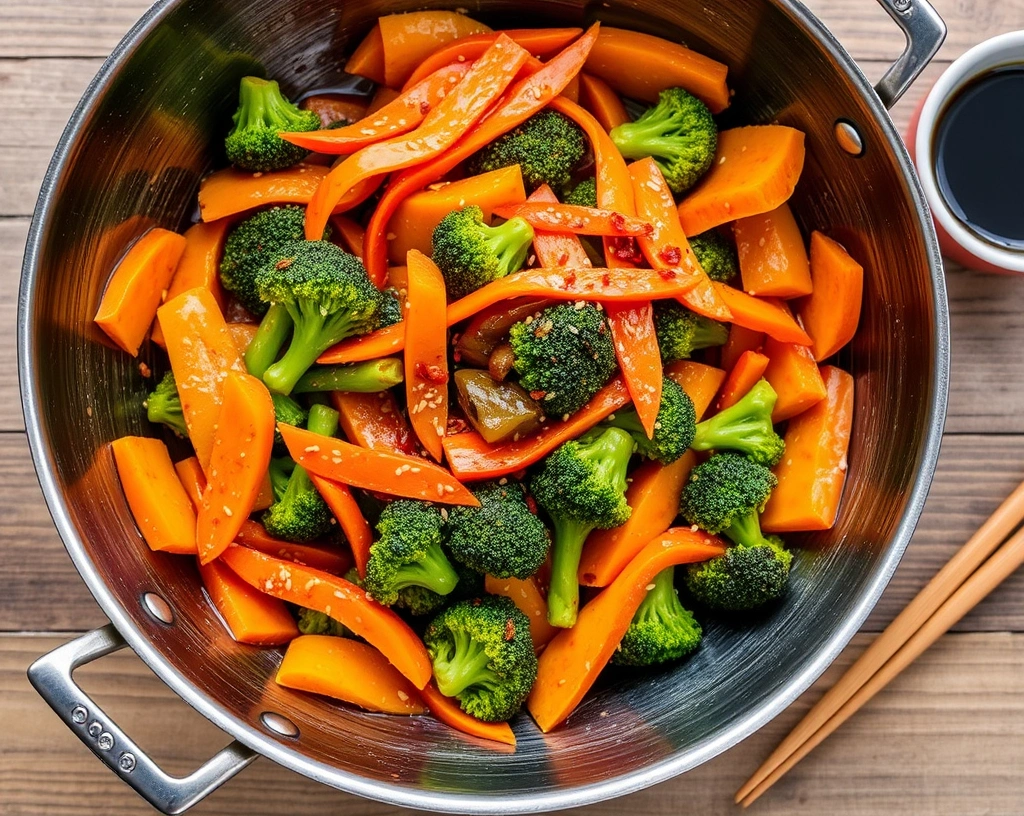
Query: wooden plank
x,y
953,726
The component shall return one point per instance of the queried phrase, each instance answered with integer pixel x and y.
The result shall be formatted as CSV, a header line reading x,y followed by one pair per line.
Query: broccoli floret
x,y
471,254
725,494
583,194
408,555
312,622
471,583
390,308
563,356
673,428
501,537
289,412
483,656
263,114
547,147
581,485
679,133
280,471
662,629
163,405
681,332
745,427
328,297
716,255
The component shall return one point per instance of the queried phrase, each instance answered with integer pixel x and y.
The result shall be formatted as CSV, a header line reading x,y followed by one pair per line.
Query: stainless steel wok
x,y
150,125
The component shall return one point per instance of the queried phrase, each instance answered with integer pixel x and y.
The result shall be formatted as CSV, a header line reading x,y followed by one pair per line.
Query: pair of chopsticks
x,y
969,576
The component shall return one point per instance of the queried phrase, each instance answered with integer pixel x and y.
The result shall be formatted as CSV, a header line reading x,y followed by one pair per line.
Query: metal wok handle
x,y
925,32
51,677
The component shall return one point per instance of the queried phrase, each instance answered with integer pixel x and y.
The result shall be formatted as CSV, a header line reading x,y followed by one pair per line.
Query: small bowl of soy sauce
x,y
968,142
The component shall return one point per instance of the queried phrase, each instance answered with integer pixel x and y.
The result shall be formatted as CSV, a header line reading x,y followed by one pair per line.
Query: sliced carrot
x,y
572,90
556,248
350,232
202,354
398,116
773,258
575,657
133,294
159,504
231,191
831,314
640,66
348,670
374,421
333,108
756,169
382,97
447,710
379,470
700,382
242,335
381,343
199,266
242,444
414,221
576,219
604,104
327,558
192,479
409,39
813,471
744,375
636,347
762,315
251,616
338,599
526,594
741,339
426,354
350,518
471,458
793,374
368,58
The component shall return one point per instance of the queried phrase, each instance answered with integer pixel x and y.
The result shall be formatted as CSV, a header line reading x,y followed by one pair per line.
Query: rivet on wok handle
x,y
51,675
925,32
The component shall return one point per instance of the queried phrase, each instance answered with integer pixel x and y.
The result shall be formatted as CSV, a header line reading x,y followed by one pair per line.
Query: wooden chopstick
x,y
959,579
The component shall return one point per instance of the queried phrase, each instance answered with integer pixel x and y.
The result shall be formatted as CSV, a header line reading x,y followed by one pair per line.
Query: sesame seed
x,y
312,449
402,696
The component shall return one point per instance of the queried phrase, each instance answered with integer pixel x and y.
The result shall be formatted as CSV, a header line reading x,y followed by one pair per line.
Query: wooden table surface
x,y
946,738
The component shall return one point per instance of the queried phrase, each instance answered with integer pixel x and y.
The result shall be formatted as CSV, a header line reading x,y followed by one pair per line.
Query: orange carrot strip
x,y
350,234
636,346
333,107
537,41
744,375
576,219
192,479
602,102
368,58
409,39
447,710
251,616
231,191
813,471
426,354
700,382
556,248
524,99
241,453
133,294
450,119
395,118
773,258
794,376
756,169
471,458
832,312
378,470
159,503
332,559
348,670
374,421
350,518
381,97
762,316
202,354
199,266
242,335
573,659
741,339
338,599
526,594
381,343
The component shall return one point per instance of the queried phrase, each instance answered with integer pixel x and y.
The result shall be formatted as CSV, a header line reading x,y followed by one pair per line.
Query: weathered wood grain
x,y
953,728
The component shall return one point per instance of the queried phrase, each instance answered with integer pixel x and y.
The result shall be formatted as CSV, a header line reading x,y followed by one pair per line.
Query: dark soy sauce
x,y
979,156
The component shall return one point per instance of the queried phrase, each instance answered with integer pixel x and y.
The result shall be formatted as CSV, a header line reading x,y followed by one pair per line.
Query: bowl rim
x,y
266,744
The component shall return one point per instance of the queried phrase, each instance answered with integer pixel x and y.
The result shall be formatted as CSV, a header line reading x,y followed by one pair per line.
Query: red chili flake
x,y
424,107
563,259
671,255
457,356
626,249
538,395
510,629
618,222
531,504
570,279
606,279
456,425
284,263
667,274
431,373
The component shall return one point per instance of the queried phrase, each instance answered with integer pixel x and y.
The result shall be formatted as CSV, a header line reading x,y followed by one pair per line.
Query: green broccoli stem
x,y
745,531
510,242
280,475
663,596
709,333
368,377
564,589
261,101
628,421
435,572
314,333
322,420
466,666
638,140
269,340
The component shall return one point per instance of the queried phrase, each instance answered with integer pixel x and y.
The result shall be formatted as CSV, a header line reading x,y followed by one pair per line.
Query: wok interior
x,y
137,162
